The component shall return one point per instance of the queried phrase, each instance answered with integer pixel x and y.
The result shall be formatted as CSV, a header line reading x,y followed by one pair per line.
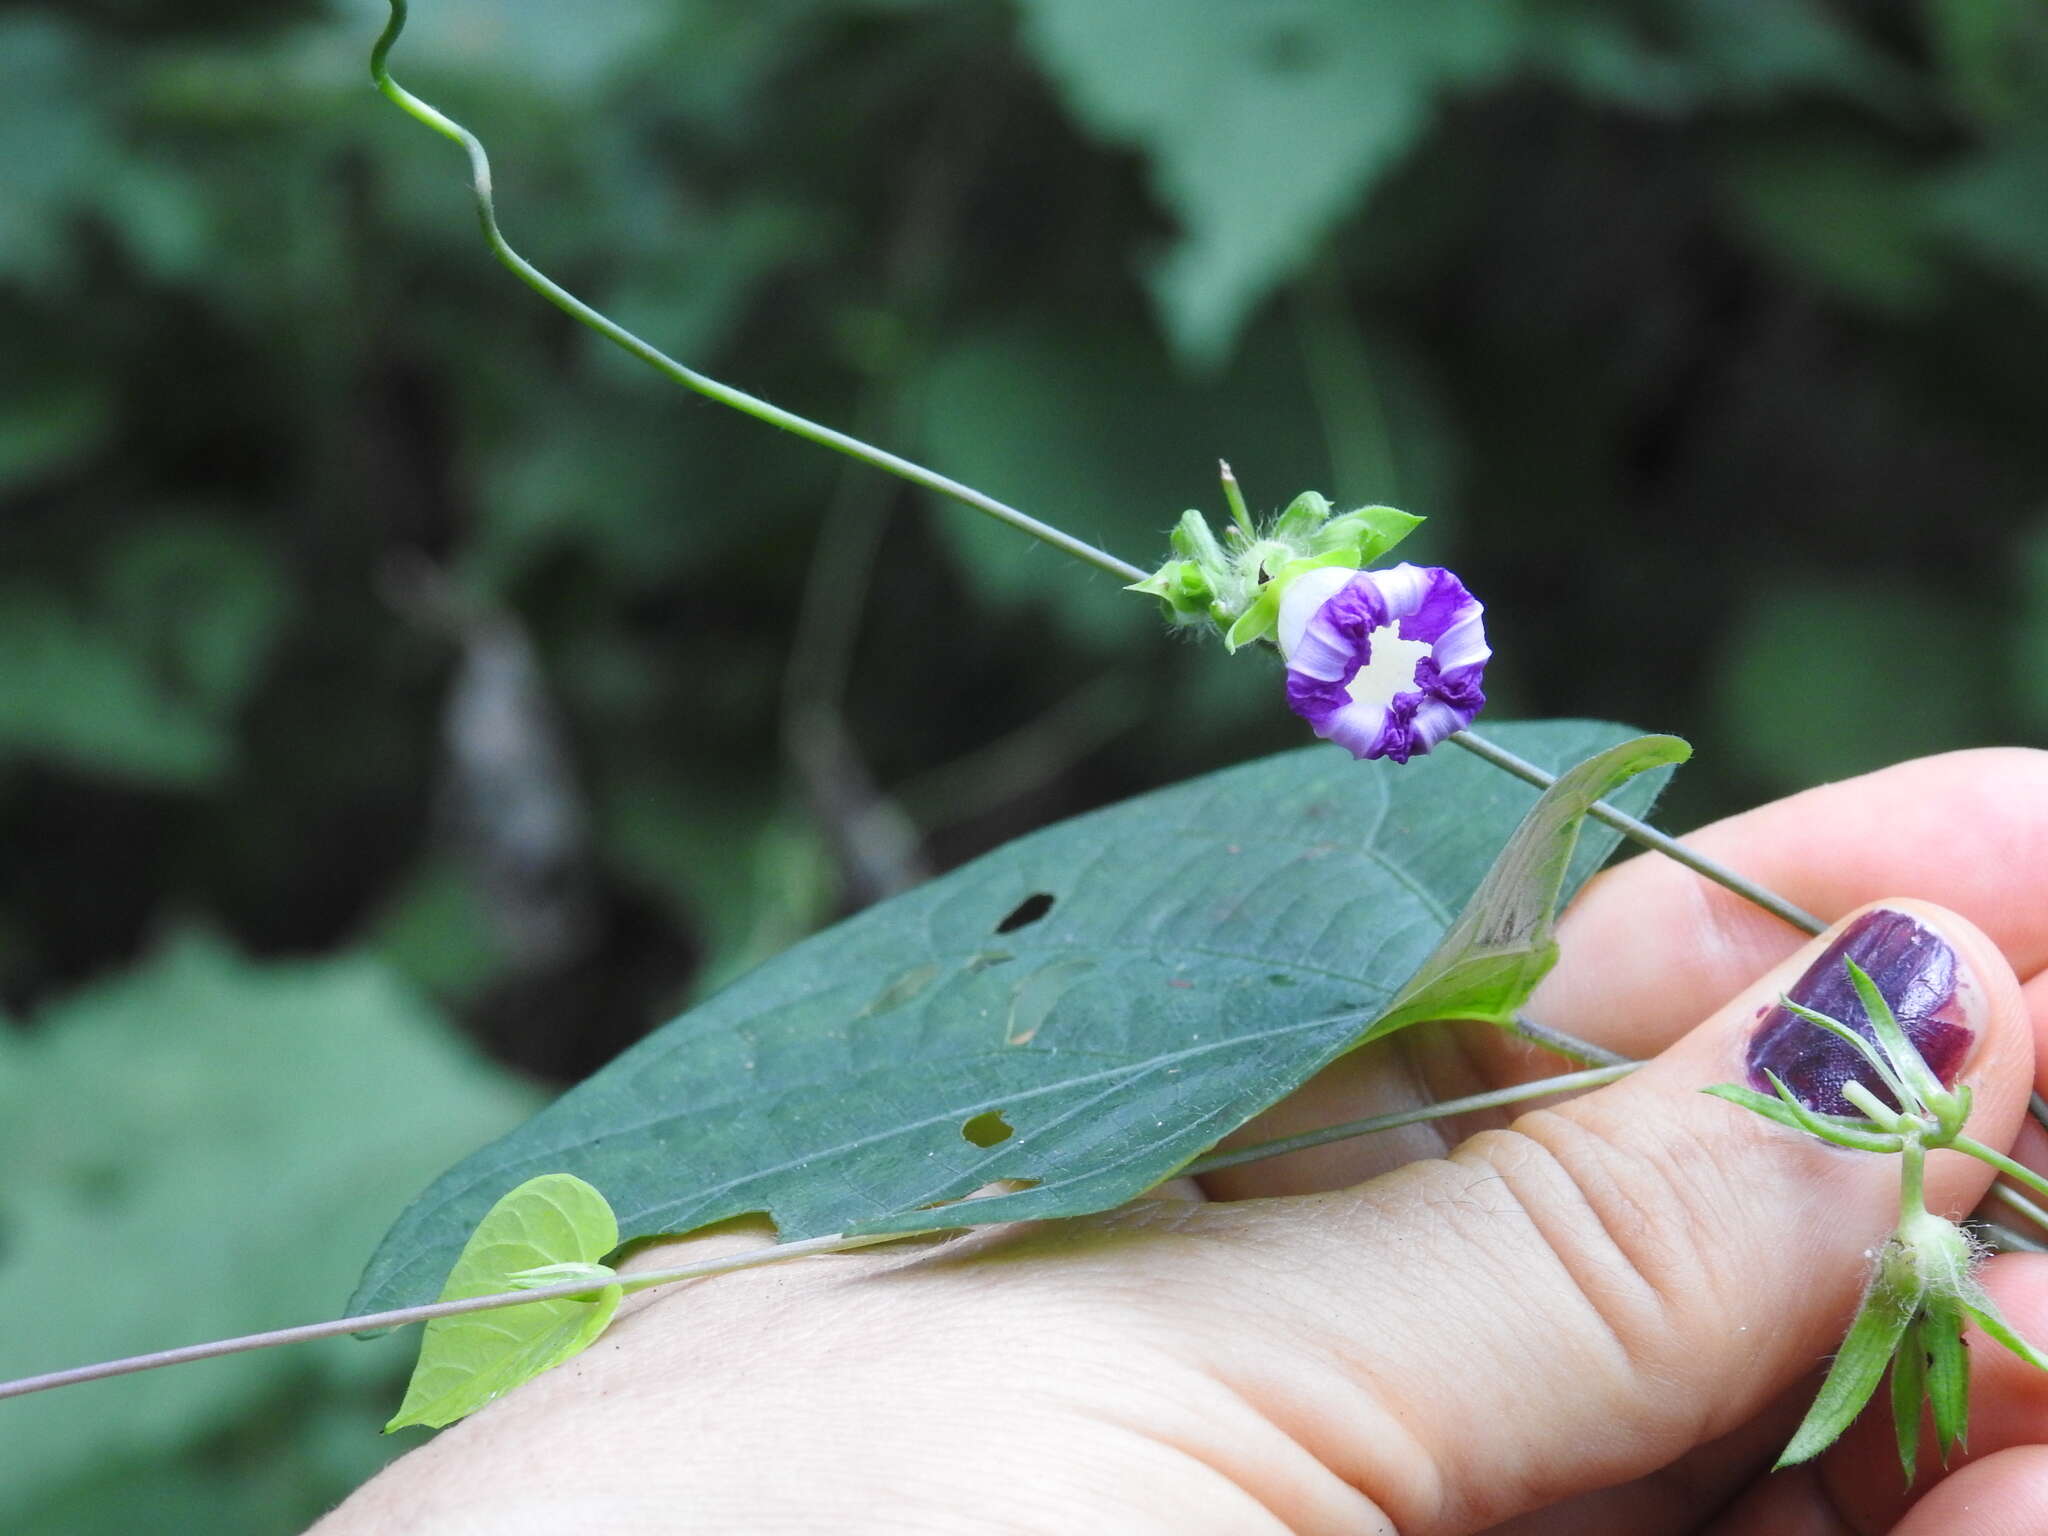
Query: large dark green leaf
x,y
1092,1006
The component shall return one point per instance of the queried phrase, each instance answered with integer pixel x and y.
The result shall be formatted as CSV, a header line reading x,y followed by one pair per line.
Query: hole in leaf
x,y
1290,51
1026,912
987,1128
100,1183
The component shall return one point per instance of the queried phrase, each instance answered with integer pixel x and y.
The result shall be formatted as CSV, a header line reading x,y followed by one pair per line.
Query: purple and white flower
x,y
1384,663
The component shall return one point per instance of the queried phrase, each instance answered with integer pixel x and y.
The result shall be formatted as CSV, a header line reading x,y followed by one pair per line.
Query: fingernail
x,y
1914,970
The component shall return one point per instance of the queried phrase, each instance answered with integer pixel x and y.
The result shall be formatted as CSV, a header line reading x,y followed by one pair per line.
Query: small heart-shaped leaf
x,y
465,1361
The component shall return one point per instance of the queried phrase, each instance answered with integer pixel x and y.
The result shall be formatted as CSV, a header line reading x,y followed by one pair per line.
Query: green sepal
x,y
1909,1392
1873,1338
1984,1312
1948,1372
1364,535
1193,539
1255,623
1263,616
1183,587
1842,1130
1303,520
1237,582
1191,586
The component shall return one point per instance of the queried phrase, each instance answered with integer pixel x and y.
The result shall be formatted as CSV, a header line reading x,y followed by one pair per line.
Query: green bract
x,y
1235,583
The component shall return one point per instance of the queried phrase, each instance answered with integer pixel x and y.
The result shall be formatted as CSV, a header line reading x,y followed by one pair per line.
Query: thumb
x,y
1584,1297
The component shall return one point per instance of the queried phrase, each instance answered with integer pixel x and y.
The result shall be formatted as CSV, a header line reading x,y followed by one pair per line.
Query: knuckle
x,y
1639,1224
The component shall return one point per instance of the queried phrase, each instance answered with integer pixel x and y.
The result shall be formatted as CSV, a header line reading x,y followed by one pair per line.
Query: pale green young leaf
x,y
465,1361
1503,942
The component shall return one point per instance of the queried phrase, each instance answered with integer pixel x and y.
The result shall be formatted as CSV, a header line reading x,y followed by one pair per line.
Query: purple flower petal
x,y
1384,663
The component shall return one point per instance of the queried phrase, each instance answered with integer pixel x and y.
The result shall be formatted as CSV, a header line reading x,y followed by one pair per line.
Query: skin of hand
x,y
1605,1316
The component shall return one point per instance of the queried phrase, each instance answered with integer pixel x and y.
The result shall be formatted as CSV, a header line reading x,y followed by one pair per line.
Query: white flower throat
x,y
1391,670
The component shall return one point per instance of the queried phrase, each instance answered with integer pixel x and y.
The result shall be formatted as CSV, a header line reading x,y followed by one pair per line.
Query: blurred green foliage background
x,y
405,702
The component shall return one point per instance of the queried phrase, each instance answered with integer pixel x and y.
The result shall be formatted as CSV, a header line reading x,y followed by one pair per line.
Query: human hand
x,y
1607,1318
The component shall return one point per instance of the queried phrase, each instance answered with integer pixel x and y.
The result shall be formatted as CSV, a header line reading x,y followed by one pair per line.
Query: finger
x,y
2008,1408
1650,947
1589,1296
2003,1495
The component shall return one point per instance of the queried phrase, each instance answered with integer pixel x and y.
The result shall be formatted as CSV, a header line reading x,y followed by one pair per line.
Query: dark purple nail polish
x,y
1914,969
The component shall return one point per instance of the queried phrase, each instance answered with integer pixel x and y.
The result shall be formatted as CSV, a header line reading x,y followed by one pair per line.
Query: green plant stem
x,y
2023,1205
1642,832
1912,1180
836,1242
668,367
1569,1083
2004,1240
2005,1165
305,1333
1571,1046
917,474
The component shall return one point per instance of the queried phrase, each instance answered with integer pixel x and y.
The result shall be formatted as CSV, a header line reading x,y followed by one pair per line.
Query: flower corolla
x,y
1385,663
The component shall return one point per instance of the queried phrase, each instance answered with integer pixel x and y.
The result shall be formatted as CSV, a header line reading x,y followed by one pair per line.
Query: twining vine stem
x,y
835,1242
689,378
917,474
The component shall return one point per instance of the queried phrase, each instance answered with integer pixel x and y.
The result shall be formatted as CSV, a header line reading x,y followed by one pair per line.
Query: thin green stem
x,y
2005,1240
724,394
2023,1205
917,474
2004,1164
1912,1180
1642,832
1570,1046
754,1257
305,1333
1570,1082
